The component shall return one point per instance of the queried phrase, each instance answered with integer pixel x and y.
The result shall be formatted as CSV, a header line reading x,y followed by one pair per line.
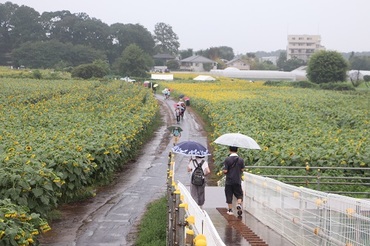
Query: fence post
x,y
307,170
318,179
176,203
190,221
170,206
181,224
189,237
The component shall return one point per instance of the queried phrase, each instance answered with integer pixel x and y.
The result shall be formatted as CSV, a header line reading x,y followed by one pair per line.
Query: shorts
x,y
234,189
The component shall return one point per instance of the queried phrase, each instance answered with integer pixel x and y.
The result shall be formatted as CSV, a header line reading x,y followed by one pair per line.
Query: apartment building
x,y
303,46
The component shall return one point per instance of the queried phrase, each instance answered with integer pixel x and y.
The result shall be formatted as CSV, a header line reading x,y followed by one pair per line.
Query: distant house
x,y
197,64
162,59
238,63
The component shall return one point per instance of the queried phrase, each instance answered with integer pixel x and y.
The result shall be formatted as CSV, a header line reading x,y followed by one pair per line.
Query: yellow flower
x,y
28,148
56,180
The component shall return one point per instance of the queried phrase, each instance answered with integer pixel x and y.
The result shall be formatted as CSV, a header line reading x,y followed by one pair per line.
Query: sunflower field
x,y
60,139
295,127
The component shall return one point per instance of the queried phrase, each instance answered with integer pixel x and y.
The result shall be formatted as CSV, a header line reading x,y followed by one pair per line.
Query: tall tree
x,y
78,29
186,53
49,21
293,63
327,66
166,39
48,54
26,26
6,44
358,63
281,60
214,53
123,35
134,62
18,24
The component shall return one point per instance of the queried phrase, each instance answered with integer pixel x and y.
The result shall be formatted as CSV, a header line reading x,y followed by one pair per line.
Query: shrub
x,y
277,83
88,71
337,86
37,74
173,65
304,84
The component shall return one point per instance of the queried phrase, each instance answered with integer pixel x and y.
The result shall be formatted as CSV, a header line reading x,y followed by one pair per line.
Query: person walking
x,y
176,133
177,115
198,191
233,169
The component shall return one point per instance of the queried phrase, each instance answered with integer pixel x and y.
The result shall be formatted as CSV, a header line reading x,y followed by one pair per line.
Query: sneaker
x,y
230,212
239,207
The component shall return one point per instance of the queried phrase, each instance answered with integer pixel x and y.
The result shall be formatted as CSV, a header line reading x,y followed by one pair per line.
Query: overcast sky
x,y
244,25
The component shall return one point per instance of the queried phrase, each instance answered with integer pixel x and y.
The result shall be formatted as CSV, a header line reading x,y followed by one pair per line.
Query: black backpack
x,y
197,178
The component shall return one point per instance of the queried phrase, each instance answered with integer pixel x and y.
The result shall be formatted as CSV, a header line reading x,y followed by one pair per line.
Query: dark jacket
x,y
234,166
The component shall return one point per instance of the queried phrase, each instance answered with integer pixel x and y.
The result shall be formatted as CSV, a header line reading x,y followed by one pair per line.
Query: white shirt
x,y
192,165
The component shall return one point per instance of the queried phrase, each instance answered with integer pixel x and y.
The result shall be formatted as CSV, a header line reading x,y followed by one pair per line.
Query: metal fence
x,y
351,181
307,217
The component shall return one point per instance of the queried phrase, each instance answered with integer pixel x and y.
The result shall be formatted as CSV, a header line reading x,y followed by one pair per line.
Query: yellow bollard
x,y
200,240
190,219
177,192
189,237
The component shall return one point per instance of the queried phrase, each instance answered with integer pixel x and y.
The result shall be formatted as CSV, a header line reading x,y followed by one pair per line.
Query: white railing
x,y
188,224
202,223
307,217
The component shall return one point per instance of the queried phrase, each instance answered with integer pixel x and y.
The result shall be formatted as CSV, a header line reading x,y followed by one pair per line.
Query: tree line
x,y
62,39
65,40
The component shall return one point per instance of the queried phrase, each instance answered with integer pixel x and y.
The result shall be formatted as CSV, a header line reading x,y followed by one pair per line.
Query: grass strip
x,y
152,228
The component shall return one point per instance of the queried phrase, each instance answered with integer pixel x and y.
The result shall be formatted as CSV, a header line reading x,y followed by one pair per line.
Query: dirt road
x,y
110,218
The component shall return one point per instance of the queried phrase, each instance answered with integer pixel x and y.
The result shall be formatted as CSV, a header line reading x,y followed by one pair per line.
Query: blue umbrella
x,y
190,148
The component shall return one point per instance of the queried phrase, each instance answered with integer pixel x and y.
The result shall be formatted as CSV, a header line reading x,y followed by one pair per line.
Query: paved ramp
x,y
238,231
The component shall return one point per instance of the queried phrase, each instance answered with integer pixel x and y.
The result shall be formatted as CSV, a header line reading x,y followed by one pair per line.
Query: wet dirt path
x,y
111,218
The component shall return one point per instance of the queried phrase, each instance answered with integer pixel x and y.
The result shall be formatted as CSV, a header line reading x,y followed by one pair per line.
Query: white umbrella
x,y
237,140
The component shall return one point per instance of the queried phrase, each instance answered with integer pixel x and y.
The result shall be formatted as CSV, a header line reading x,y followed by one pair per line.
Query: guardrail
x,y
307,217
187,224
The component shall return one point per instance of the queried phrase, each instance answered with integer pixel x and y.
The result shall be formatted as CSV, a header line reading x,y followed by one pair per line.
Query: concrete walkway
x,y
215,198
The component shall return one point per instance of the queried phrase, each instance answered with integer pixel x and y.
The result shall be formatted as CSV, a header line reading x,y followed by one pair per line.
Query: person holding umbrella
x,y
197,152
233,167
176,133
197,191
